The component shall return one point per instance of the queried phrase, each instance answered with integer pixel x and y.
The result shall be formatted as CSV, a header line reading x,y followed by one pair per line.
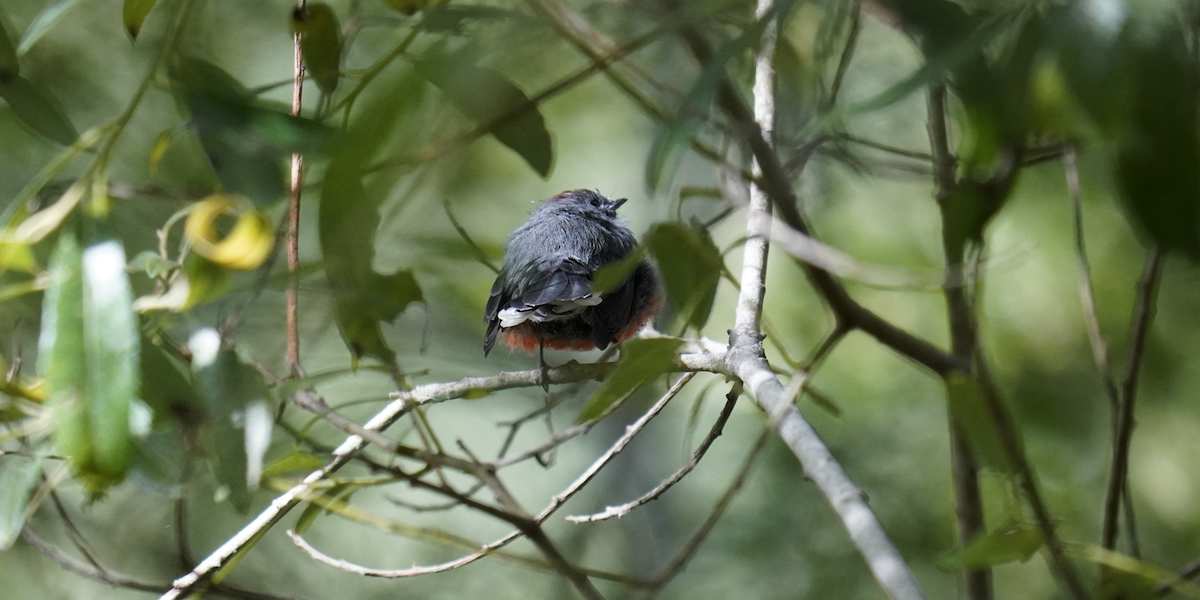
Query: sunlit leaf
x,y
61,352
489,98
970,413
37,109
135,13
320,43
19,475
641,361
691,268
89,348
112,343
43,22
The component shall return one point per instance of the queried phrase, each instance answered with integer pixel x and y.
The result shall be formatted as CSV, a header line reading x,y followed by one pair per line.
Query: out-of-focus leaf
x,y
614,274
971,415
452,18
38,109
89,348
671,144
160,463
9,67
19,475
320,43
233,393
691,268
152,264
43,22
489,98
248,242
112,343
17,257
161,144
61,353
1095,67
641,361
323,503
135,13
1011,542
37,226
349,216
244,139
295,461
167,383
1157,157
205,280
410,7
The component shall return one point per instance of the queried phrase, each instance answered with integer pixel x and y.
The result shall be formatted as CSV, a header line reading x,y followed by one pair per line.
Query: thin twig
x,y
676,477
969,510
293,227
1143,314
1086,295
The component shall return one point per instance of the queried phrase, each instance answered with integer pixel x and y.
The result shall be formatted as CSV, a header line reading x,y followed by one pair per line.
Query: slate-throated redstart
x,y
543,296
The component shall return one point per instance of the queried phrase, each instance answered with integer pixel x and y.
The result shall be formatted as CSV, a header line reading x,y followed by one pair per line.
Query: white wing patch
x,y
557,310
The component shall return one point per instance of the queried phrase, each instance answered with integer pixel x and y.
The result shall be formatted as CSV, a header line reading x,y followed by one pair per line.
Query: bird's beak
x,y
618,202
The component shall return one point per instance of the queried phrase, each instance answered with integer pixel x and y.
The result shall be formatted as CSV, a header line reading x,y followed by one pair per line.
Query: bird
x,y
543,296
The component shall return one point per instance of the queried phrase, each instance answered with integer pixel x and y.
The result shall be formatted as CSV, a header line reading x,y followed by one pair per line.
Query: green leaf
x,y
348,219
234,397
152,264
613,275
691,268
296,461
246,141
89,355
61,355
410,7
9,67
19,475
670,147
490,99
1011,542
37,109
641,361
320,43
135,13
112,343
43,22
1157,157
970,413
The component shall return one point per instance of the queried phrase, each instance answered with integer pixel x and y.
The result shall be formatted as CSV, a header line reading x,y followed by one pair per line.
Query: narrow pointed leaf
x,y
37,109
9,68
19,475
135,13
43,22
61,359
641,361
112,344
491,99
